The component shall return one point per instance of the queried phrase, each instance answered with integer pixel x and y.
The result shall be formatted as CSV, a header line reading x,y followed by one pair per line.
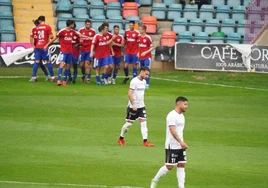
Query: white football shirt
x,y
138,87
175,119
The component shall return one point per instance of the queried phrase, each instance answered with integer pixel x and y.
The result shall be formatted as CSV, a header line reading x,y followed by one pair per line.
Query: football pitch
x,y
67,136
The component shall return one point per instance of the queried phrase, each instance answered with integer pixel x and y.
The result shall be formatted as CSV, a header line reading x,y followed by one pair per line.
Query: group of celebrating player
x,y
86,47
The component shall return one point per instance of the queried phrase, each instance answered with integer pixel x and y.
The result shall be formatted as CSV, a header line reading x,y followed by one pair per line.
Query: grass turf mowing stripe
x,y
64,184
171,80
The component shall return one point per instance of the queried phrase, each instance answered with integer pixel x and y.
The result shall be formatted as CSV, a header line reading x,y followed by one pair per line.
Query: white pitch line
x,y
172,80
209,84
63,184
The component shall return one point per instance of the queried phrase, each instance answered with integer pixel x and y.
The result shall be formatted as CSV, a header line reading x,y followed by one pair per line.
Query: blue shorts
x,y
101,62
116,60
75,60
110,60
131,59
41,54
85,56
65,57
145,62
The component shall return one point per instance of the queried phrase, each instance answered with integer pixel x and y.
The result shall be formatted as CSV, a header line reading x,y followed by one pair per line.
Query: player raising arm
x,y
44,34
136,107
175,145
65,36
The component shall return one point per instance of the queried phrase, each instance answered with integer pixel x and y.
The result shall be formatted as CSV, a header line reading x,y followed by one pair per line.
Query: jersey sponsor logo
x,y
131,39
143,45
102,43
68,38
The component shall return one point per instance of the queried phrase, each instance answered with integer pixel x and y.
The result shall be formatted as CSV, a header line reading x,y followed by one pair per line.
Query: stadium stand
x,y
174,11
146,2
233,38
151,23
201,37
228,26
130,9
113,9
223,12
169,2
96,8
217,37
206,11
27,10
179,25
212,25
115,20
190,12
168,38
195,25
159,11
185,36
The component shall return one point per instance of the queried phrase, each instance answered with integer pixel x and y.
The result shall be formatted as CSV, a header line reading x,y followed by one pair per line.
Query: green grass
x,y
68,134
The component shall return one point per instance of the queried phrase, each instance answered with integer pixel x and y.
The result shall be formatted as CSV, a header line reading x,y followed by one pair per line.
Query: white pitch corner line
x,y
63,184
171,80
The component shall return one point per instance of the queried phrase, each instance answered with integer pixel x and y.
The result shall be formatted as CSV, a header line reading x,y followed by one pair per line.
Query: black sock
x,y
121,138
144,140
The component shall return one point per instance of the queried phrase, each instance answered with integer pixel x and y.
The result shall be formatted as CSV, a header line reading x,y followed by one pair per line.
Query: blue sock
x,y
44,69
115,73
126,72
135,72
106,75
102,76
98,79
109,75
75,76
148,80
66,74
50,69
59,73
35,68
88,76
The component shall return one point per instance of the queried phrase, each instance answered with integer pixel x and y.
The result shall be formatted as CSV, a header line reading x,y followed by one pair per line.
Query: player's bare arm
x,y
32,41
50,42
92,50
172,130
131,99
111,40
148,51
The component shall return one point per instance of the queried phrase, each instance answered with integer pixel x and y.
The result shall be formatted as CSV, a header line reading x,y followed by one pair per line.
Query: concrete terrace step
x,y
33,6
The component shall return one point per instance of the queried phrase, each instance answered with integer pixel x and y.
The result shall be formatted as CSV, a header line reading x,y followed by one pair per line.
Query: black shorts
x,y
174,156
134,115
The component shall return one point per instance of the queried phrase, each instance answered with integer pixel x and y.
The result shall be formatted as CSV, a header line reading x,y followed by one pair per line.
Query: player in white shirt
x,y
136,107
175,146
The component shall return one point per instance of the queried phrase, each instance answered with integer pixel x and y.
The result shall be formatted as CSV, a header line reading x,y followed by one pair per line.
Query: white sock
x,y
144,130
181,177
125,129
161,173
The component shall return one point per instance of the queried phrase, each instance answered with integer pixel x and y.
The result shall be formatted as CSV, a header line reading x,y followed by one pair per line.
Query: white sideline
x,y
172,80
63,184
209,84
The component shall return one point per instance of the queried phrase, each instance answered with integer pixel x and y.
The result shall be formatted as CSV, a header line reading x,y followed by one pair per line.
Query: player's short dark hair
x,y
42,18
74,26
101,28
143,27
36,22
181,99
116,26
105,24
133,22
88,21
69,22
145,69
